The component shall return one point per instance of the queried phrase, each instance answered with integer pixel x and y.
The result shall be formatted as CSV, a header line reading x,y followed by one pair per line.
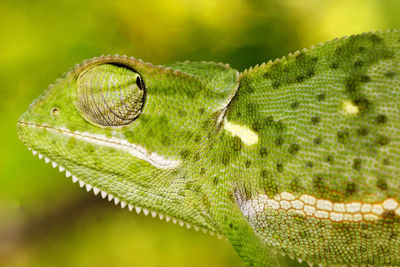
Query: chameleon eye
x,y
109,95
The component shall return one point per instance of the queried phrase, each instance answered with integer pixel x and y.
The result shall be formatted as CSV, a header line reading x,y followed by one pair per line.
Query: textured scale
x,y
299,155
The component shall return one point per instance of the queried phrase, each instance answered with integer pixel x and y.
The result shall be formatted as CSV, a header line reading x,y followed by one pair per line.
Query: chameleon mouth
x,y
137,151
117,201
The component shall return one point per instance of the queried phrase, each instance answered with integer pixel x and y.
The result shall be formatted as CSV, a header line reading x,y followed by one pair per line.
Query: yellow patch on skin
x,y
247,136
349,107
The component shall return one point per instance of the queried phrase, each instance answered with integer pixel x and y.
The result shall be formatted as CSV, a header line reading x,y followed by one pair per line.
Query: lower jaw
x,y
117,201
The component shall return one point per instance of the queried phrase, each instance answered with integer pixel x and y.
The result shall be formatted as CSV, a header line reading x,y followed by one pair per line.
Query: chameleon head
x,y
130,129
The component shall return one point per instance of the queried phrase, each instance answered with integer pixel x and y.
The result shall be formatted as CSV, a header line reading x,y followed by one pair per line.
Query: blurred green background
x,y
45,220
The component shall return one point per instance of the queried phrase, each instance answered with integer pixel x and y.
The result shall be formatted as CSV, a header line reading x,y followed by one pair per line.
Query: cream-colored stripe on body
x,y
309,206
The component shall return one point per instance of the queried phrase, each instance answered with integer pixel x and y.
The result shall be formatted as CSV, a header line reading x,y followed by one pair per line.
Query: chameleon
x,y
298,156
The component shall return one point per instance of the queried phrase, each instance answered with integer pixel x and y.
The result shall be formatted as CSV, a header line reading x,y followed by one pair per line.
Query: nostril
x,y
55,111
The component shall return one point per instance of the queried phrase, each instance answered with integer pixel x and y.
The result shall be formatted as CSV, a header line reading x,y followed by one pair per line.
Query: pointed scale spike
x,y
110,197
74,179
95,190
116,200
61,169
153,214
161,216
81,183
138,209
130,207
174,220
123,204
40,156
46,159
34,152
167,218
67,174
103,194
188,225
145,212
54,164
88,187
29,148
196,228
181,223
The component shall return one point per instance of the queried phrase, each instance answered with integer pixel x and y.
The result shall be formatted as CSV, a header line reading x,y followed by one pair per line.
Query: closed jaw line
x,y
135,150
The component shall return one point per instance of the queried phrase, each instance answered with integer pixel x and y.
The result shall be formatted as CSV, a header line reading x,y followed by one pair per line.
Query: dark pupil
x,y
139,83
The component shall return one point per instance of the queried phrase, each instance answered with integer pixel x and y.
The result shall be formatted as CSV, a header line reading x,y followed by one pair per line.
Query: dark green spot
x,y
358,63
263,152
362,131
381,184
248,163
237,143
294,148
225,158
317,140
318,183
386,161
334,65
299,69
390,74
375,38
321,97
257,126
196,157
342,136
351,188
330,158
201,111
185,153
381,119
294,105
309,164
279,141
357,164
197,139
365,78
382,140
315,120
279,167
215,180
264,174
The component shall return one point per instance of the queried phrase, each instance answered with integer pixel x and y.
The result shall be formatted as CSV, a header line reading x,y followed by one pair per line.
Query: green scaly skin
x,y
300,155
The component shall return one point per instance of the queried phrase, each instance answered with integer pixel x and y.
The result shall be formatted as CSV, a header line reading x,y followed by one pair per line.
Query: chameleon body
x,y
300,155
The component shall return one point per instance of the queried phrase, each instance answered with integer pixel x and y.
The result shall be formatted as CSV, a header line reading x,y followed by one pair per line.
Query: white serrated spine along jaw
x,y
123,204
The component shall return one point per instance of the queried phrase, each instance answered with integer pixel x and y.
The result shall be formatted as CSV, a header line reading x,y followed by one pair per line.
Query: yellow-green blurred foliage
x,y
45,220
